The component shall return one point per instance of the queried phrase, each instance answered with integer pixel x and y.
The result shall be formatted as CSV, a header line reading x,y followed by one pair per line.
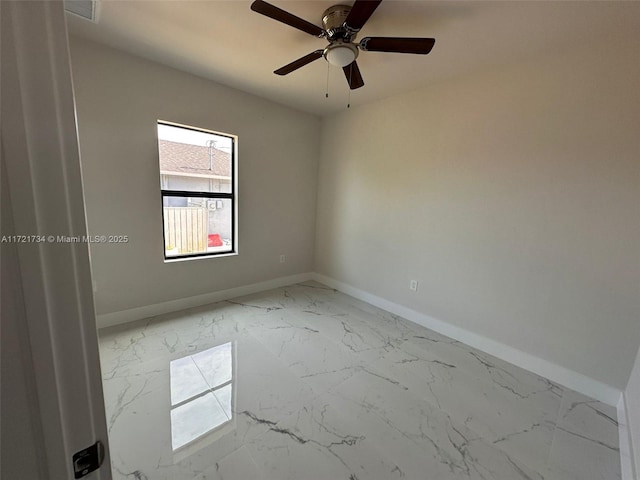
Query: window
x,y
198,186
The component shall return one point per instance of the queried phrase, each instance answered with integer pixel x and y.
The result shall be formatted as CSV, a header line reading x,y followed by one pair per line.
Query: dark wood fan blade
x,y
398,45
301,62
280,15
354,78
360,13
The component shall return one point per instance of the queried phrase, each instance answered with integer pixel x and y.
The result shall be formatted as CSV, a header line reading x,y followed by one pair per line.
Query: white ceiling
x,y
230,44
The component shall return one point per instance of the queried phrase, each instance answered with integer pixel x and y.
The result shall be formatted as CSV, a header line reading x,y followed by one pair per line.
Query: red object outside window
x,y
214,240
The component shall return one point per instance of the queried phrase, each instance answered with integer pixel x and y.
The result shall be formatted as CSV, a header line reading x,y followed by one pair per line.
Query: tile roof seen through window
x,y
185,159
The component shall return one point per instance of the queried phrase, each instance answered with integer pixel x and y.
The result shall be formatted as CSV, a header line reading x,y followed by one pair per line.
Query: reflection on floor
x,y
201,393
306,383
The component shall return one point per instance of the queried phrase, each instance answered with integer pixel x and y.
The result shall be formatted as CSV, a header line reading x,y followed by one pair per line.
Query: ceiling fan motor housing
x,y
333,20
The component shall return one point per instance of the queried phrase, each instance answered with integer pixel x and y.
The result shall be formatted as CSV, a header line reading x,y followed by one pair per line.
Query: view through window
x,y
197,181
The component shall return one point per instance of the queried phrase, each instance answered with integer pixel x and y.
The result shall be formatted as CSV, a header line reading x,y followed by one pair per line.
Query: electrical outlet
x,y
413,285
283,259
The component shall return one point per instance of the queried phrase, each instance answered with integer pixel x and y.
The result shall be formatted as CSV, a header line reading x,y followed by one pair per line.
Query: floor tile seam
x,y
307,309
321,335
356,303
344,425
378,317
469,372
212,389
451,416
589,439
570,427
554,440
589,435
611,417
379,329
378,450
328,389
356,351
379,417
339,344
362,331
154,321
521,457
280,362
246,446
451,420
464,371
409,391
420,327
166,354
340,301
512,456
156,336
320,287
378,326
439,357
115,329
554,459
137,366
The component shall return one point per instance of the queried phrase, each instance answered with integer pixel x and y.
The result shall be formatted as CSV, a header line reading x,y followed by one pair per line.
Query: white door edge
x,y
40,146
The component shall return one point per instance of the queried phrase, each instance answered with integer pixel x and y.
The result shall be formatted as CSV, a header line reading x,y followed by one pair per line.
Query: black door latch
x,y
87,460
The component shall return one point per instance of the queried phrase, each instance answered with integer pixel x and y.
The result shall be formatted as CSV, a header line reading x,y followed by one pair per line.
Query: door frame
x,y
41,155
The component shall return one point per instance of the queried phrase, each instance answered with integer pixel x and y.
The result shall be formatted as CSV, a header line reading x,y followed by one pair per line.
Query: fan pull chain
x,y
350,73
326,93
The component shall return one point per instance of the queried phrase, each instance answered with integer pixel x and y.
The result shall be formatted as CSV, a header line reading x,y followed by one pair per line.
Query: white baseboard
x,y
556,373
626,447
138,313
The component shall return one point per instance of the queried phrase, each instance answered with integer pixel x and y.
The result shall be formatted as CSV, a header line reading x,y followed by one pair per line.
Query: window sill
x,y
200,257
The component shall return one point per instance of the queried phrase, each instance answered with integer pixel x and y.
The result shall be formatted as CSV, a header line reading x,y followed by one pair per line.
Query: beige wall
x,y
119,99
512,195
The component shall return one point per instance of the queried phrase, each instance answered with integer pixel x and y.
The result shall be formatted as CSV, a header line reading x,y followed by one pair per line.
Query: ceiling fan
x,y
341,24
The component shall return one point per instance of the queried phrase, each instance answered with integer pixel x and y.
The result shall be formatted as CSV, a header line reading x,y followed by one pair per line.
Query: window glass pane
x,y
194,161
197,225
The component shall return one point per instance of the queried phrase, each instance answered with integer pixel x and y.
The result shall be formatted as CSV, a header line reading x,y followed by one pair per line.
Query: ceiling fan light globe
x,y
340,56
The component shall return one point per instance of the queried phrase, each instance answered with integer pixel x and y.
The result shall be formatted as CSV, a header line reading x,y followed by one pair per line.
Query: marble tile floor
x,y
307,383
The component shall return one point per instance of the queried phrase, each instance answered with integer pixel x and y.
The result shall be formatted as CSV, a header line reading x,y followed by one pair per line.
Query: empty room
x,y
310,240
